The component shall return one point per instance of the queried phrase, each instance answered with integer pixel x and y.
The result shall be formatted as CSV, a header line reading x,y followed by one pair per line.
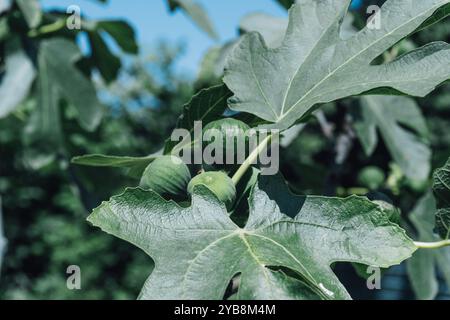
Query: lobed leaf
x,y
60,78
388,114
198,250
423,264
316,65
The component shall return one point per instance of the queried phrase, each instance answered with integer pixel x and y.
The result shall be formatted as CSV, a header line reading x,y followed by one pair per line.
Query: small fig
x,y
167,175
371,177
233,133
218,183
418,186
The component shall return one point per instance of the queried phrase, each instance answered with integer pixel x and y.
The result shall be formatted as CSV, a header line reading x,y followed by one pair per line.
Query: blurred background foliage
x,y
43,124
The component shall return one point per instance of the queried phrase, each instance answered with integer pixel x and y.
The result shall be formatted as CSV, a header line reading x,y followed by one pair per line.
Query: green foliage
x,y
205,249
2,237
342,68
277,83
409,150
197,13
206,106
240,235
441,189
424,263
136,165
31,10
18,77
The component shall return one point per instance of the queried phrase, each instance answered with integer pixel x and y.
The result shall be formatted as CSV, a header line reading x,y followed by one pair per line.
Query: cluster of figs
x,y
170,177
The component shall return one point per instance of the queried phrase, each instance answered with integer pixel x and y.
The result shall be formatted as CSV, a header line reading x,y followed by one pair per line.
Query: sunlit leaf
x,y
199,249
389,115
315,65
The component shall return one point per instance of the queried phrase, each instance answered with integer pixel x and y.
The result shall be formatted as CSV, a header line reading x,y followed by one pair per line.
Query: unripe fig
x,y
371,177
167,175
233,136
418,186
219,183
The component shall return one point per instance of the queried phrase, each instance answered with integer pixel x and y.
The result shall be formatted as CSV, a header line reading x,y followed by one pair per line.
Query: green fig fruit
x,y
167,175
371,177
418,186
218,183
233,133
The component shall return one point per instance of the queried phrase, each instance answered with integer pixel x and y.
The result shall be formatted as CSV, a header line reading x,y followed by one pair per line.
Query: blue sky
x,y
153,21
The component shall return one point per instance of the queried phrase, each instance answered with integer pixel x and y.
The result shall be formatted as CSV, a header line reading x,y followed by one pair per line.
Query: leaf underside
x,y
17,78
315,65
60,78
388,114
422,266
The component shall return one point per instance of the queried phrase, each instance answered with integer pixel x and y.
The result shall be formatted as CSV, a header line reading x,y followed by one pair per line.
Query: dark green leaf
x,y
2,237
440,14
286,3
206,106
107,63
122,33
441,189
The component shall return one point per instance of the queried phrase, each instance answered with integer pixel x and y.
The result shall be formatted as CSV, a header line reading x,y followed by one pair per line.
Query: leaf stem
x,y
250,160
433,245
49,28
